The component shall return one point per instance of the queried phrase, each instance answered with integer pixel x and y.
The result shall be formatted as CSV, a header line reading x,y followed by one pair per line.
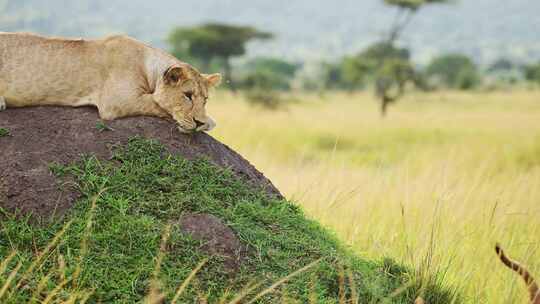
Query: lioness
x,y
534,291
119,75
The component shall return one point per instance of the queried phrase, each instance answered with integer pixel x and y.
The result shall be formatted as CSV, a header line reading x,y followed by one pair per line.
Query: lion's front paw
x,y
3,104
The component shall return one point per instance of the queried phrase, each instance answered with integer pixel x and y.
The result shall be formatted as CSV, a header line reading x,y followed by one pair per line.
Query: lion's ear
x,y
173,75
213,79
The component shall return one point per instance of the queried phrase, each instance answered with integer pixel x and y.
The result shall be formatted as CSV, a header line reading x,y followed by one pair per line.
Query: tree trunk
x,y
384,106
398,27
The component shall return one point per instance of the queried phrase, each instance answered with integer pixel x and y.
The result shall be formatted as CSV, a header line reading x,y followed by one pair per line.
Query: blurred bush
x,y
454,71
268,73
532,72
264,80
267,99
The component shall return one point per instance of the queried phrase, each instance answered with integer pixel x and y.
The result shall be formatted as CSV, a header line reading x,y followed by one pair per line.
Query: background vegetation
x,y
435,185
306,30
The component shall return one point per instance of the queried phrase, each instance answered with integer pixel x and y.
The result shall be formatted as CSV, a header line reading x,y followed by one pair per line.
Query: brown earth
x,y
39,136
217,239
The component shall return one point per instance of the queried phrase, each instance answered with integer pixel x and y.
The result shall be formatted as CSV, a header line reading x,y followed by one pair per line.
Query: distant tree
x,y
268,73
384,64
263,88
266,79
391,65
501,64
454,71
367,63
502,73
273,65
344,75
532,72
214,41
265,98
391,80
332,76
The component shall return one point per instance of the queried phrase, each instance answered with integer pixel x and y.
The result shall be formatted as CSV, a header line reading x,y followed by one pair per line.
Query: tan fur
x,y
119,75
534,291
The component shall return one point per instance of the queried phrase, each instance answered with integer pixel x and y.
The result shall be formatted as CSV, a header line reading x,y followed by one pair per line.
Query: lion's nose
x,y
198,123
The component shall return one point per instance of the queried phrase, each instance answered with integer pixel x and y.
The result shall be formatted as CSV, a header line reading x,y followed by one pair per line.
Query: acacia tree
x,y
393,72
384,64
214,41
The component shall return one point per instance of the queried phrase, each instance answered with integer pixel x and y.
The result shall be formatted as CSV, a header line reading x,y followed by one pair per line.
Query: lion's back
x,y
35,69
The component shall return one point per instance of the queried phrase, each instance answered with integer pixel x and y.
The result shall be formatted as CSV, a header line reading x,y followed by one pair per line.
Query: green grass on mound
x,y
108,250
4,132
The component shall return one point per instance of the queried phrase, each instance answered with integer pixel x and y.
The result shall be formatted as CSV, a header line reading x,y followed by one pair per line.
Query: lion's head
x,y
183,93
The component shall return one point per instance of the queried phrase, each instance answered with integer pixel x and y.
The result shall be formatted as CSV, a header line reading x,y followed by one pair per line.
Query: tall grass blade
x,y
6,261
10,278
283,280
245,291
187,280
85,237
37,261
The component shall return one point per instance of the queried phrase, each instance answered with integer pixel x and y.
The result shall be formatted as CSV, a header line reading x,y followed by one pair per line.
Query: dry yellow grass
x,y
435,184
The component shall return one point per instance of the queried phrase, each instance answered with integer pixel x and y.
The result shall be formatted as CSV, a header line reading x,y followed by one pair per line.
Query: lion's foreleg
x,y
3,104
118,107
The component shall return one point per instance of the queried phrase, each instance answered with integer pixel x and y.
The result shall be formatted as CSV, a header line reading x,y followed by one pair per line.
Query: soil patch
x,y
217,239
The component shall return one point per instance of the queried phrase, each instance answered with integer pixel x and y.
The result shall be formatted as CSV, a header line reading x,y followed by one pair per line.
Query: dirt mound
x,y
41,136
218,239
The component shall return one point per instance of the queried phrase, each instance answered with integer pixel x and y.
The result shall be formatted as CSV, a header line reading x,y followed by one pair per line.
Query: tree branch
x,y
397,27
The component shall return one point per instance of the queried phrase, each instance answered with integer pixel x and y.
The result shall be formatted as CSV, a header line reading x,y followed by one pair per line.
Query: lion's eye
x,y
189,95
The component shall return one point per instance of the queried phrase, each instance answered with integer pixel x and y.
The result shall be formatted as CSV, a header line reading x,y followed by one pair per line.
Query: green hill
x,y
107,247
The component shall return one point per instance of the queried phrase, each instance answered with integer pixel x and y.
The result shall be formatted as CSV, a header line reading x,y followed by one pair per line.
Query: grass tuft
x,y
102,127
4,132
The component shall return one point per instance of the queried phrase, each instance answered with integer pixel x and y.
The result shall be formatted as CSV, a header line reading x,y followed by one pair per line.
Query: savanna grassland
x,y
435,184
